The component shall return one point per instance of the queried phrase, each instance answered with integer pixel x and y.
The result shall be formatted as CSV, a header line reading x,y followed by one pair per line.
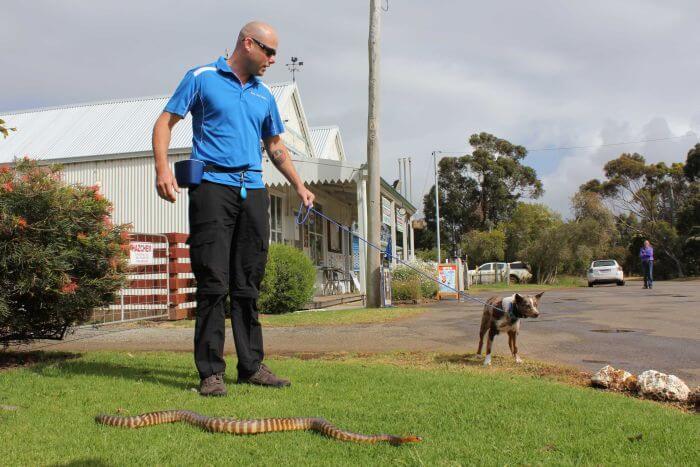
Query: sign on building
x,y
141,253
400,220
387,218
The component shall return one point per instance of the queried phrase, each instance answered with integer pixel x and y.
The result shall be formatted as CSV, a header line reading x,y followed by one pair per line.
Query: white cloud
x,y
541,74
582,166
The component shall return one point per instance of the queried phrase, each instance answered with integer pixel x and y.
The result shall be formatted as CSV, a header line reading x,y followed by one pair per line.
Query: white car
x,y
489,273
519,272
605,271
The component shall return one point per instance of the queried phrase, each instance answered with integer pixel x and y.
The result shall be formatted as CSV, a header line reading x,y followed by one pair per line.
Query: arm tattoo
x,y
278,156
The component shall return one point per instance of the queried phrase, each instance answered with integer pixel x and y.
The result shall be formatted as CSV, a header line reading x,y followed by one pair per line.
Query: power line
x,y
654,140
592,146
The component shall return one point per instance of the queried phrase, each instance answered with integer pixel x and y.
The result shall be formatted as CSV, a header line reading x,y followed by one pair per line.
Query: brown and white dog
x,y
503,315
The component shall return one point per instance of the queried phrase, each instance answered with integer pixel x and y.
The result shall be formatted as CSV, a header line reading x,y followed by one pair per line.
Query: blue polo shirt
x,y
228,120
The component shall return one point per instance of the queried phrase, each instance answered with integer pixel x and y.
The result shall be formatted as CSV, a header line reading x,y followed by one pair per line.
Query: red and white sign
x,y
141,253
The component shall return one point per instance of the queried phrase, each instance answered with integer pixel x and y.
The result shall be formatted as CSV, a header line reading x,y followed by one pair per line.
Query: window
x,y
604,263
485,267
275,219
335,238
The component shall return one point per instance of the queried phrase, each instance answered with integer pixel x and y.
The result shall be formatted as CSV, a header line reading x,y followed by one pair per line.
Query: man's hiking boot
x,y
213,385
265,377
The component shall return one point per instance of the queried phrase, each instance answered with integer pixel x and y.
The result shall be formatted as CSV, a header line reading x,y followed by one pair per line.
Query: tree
x,y
651,193
692,164
480,190
535,234
458,204
60,254
502,178
483,247
592,233
523,226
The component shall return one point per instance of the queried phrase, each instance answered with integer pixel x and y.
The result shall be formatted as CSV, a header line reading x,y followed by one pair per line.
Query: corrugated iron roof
x,y
322,138
105,128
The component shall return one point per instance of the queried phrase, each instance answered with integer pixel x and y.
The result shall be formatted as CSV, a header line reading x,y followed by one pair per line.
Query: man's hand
x,y
306,196
166,184
165,181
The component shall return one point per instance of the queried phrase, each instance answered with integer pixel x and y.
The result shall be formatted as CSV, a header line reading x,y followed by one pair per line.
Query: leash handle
x,y
299,213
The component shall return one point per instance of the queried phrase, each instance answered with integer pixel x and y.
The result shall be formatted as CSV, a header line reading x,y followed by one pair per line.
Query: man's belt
x,y
188,173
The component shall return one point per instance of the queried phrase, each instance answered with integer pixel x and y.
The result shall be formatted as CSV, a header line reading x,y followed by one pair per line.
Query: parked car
x,y
486,273
520,272
489,273
605,271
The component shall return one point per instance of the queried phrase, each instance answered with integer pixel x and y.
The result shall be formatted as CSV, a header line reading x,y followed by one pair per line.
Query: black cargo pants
x,y
228,241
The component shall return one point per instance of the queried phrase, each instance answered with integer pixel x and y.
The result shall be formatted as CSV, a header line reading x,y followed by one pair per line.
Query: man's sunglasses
x,y
269,51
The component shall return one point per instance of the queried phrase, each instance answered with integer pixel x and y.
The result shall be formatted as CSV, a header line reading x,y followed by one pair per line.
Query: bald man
x,y
232,111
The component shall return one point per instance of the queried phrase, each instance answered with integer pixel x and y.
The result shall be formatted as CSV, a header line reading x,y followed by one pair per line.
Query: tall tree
x,y
536,234
496,164
692,164
650,192
458,203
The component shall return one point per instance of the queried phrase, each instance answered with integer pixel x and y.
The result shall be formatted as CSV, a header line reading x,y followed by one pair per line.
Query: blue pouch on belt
x,y
188,173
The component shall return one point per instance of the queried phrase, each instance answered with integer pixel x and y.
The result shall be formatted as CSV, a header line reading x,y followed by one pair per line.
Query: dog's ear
x,y
539,295
519,298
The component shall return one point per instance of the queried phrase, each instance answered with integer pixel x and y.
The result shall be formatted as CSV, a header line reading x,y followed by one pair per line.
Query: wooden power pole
x,y
374,218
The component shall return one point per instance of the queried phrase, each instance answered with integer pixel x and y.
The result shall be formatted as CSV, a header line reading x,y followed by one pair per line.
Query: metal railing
x,y
147,294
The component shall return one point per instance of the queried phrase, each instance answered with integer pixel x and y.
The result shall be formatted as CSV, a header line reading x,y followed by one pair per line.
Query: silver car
x,y
605,271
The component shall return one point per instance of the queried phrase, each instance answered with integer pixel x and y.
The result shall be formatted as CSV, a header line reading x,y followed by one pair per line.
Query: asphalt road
x,y
626,327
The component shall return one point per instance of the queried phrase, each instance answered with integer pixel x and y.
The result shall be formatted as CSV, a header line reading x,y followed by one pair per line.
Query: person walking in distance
x,y
232,111
646,254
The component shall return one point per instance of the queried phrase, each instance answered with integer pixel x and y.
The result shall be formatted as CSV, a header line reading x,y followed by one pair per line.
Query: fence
x,y
160,283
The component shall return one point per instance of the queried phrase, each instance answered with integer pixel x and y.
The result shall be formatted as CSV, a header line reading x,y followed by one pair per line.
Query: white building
x,y
109,144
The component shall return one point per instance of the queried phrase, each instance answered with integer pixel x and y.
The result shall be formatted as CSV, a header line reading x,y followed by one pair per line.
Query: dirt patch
x,y
453,362
10,359
474,364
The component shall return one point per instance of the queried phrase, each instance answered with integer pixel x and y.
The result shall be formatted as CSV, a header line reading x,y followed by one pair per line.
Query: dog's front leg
x,y
512,341
489,344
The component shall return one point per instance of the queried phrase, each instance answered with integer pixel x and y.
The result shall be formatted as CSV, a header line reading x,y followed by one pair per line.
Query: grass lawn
x,y
562,282
466,415
325,317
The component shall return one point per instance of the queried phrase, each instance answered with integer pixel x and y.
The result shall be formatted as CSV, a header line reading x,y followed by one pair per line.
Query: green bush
x,y
405,280
406,289
289,280
60,255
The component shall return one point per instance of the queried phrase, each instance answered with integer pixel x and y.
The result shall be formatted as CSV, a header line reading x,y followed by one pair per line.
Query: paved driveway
x,y
625,326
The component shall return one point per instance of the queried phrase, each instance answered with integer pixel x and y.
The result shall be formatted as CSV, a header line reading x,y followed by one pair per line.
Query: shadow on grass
x,y
87,462
17,359
178,379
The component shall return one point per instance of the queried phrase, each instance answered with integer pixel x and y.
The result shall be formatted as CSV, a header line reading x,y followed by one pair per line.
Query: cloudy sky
x,y
543,74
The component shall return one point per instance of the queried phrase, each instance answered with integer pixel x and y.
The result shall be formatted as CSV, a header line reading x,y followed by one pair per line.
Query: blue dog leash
x,y
300,220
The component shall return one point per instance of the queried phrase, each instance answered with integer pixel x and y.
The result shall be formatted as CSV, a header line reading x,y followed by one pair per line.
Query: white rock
x,y
610,378
661,386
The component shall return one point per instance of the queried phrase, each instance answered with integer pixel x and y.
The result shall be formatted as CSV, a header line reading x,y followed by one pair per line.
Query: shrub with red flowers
x,y
60,254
